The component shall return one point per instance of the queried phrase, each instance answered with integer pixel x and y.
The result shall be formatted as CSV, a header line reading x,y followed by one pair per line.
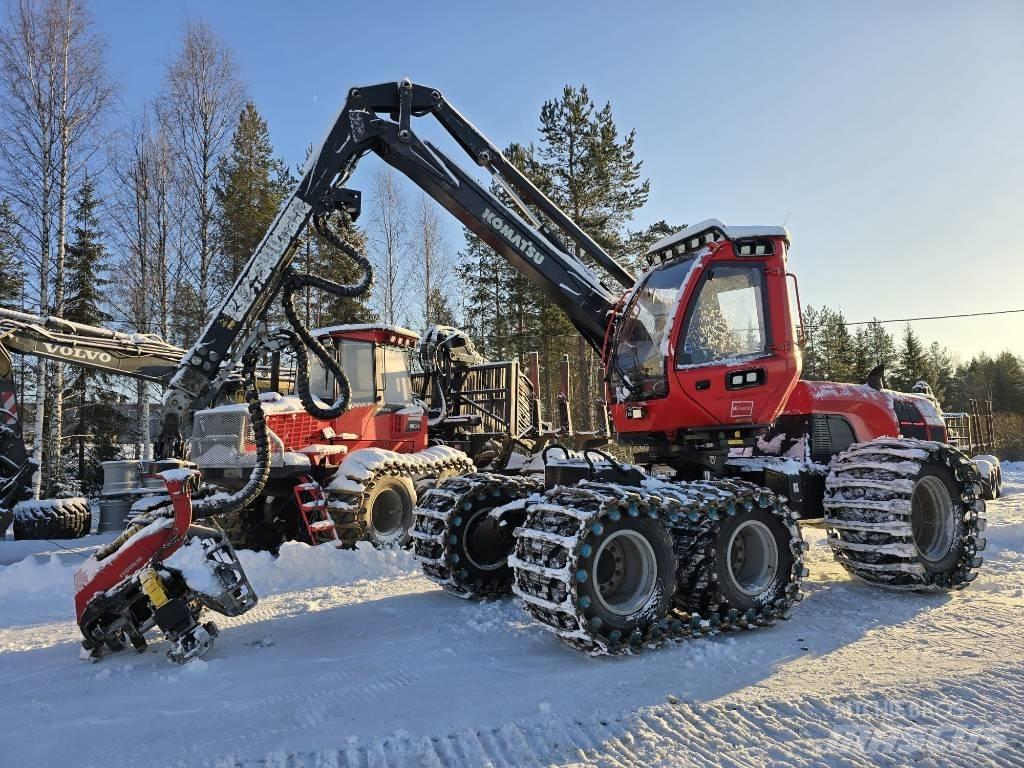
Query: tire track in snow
x,y
950,721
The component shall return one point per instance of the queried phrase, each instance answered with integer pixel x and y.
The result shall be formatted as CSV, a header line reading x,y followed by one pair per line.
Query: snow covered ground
x,y
354,659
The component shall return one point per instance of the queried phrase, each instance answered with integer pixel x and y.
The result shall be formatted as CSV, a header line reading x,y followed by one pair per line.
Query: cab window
x,y
397,382
356,360
726,321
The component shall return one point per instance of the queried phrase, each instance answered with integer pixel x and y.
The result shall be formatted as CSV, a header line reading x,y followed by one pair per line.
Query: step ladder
x,y
316,517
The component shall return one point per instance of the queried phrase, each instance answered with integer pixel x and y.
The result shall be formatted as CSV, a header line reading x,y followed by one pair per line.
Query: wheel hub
x,y
753,557
932,519
486,542
386,515
626,572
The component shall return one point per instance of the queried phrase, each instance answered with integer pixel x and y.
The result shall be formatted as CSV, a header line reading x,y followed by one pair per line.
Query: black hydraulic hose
x,y
301,339
218,504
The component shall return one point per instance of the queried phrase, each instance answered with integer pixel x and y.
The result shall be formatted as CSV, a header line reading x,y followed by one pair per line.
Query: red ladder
x,y
312,503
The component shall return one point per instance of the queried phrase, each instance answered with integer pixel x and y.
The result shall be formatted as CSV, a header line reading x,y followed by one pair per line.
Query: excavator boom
x,y
141,356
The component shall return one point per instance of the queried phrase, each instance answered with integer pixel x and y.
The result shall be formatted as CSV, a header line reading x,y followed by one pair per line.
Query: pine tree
x,y
940,370
836,347
250,186
862,361
12,271
99,421
881,347
812,362
590,170
913,361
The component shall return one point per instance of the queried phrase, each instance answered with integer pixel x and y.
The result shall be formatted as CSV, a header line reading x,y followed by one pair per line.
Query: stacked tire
x,y
52,519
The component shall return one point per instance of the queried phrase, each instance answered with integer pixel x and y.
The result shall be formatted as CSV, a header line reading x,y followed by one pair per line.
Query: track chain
x,y
550,545
438,518
349,489
868,513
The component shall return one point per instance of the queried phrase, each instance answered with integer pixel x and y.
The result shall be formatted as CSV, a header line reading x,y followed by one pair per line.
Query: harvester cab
x,y
704,351
383,410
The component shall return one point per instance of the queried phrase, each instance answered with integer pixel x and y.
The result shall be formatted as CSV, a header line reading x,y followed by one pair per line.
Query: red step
x,y
312,504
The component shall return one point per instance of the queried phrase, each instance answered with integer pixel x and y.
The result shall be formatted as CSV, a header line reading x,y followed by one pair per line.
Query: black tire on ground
x,y
904,514
52,519
386,511
459,545
741,562
628,580
992,486
482,545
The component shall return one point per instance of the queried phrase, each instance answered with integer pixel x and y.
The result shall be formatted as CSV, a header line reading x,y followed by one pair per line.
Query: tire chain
x,y
345,506
548,551
882,472
438,516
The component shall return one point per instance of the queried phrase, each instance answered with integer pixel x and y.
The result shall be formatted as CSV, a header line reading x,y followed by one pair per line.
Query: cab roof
x,y
378,332
713,230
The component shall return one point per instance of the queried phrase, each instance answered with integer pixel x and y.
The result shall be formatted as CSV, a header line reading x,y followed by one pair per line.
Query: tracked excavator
x,y
702,370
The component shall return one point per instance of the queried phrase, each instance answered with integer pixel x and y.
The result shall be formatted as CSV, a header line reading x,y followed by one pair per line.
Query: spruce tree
x,y
99,421
836,347
12,272
913,361
250,187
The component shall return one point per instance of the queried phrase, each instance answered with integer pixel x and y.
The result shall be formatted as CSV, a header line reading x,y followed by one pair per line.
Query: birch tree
x,y
389,246
54,94
203,95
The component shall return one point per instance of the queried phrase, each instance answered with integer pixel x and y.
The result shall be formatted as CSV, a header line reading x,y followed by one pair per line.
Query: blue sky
x,y
886,136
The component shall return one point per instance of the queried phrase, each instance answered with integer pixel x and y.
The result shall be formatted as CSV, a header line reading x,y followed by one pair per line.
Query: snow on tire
x,y
373,491
905,514
612,569
460,546
52,519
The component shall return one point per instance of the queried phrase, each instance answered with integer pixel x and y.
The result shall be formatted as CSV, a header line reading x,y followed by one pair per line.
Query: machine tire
x,y
905,514
455,551
386,511
740,563
52,519
558,554
632,586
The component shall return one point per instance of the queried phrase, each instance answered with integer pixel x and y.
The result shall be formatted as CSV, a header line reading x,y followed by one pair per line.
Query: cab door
x,y
734,354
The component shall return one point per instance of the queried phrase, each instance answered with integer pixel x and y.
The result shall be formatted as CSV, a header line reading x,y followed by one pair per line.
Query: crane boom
x,y
533,246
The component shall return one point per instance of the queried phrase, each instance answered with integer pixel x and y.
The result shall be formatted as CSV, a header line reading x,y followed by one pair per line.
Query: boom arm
x,y
532,246
141,356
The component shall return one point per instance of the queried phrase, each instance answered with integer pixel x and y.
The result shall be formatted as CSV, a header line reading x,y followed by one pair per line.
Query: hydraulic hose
x,y
300,339
220,504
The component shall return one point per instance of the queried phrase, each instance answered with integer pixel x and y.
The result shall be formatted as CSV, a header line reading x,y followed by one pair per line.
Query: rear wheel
x,y
904,514
743,562
52,519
